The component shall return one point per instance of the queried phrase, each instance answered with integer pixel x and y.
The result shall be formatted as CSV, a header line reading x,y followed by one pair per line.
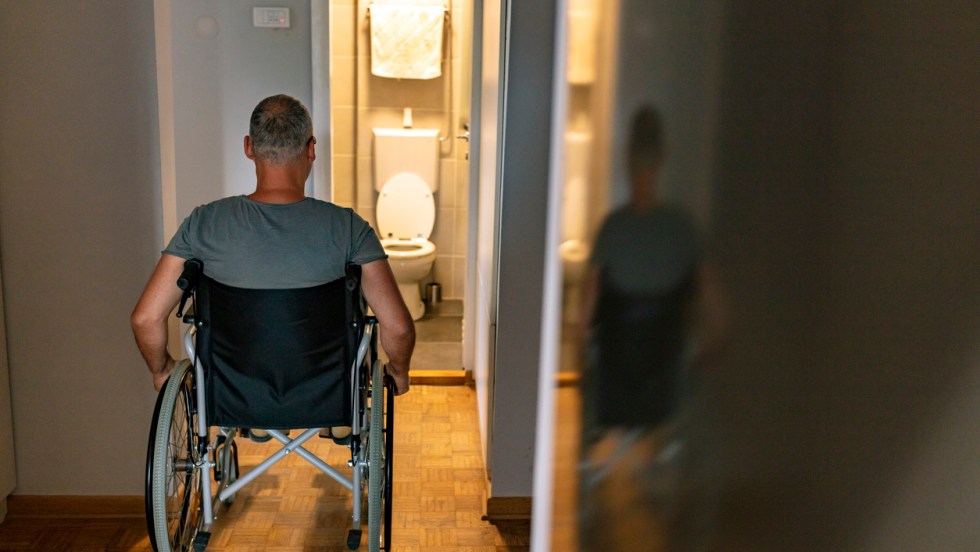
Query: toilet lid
x,y
406,208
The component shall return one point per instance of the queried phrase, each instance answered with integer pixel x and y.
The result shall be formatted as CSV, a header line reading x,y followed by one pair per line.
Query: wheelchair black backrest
x,y
640,342
278,358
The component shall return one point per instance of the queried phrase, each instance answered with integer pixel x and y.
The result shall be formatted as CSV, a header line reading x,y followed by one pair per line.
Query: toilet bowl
x,y
406,215
411,261
574,256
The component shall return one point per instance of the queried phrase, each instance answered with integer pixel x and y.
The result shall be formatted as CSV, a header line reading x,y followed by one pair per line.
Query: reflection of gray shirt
x,y
245,243
649,252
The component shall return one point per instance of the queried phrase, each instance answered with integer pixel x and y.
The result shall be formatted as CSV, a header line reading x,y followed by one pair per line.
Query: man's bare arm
x,y
397,327
149,318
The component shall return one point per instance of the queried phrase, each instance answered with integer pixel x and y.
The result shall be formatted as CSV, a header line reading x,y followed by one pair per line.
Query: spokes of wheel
x,y
175,484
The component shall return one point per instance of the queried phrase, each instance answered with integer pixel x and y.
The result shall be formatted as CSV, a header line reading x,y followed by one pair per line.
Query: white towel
x,y
582,46
406,41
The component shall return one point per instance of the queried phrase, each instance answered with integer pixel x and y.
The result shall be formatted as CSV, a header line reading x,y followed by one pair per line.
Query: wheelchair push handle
x,y
188,281
191,274
353,277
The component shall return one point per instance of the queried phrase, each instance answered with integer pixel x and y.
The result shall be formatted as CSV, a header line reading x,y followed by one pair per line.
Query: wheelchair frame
x,y
182,458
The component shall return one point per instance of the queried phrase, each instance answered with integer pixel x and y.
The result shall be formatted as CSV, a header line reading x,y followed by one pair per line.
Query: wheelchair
x,y
299,359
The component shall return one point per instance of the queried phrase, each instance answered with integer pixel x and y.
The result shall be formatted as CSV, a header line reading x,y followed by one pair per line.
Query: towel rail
x,y
444,9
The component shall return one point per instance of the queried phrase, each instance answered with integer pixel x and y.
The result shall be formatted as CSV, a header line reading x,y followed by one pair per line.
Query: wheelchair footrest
x,y
354,539
201,541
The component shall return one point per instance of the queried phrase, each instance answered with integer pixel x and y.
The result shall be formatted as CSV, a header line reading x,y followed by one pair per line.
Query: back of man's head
x,y
646,149
279,129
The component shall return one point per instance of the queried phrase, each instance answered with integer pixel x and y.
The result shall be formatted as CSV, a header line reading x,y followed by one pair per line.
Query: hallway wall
x,y
218,80
80,228
8,468
80,208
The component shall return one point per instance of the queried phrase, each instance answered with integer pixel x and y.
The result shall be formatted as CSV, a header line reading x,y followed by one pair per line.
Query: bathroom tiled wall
x,y
361,101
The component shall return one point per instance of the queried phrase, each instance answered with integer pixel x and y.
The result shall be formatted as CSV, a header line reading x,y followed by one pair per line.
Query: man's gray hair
x,y
279,129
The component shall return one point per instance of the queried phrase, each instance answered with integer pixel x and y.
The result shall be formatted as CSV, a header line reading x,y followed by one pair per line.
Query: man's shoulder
x,y
327,206
325,210
220,204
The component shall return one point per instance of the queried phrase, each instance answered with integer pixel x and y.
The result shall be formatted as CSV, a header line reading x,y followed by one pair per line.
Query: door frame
x,y
320,108
483,227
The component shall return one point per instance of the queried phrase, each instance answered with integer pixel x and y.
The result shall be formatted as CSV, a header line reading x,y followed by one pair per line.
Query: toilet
x,y
406,175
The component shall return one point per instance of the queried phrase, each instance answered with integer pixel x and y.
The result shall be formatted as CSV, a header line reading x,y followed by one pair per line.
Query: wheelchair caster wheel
x,y
354,539
201,541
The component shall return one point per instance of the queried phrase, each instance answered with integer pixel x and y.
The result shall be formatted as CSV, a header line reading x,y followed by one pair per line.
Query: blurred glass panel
x,y
636,172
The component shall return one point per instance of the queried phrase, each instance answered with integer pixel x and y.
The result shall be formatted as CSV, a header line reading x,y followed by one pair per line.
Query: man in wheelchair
x,y
276,238
272,261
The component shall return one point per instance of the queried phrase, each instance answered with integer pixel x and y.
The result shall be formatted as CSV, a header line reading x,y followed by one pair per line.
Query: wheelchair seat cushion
x,y
275,358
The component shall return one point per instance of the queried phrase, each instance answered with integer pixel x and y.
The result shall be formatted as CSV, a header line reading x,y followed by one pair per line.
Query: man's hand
x,y
394,321
160,378
400,378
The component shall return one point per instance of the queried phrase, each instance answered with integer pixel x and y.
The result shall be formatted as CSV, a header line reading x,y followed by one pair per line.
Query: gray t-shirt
x,y
647,252
249,244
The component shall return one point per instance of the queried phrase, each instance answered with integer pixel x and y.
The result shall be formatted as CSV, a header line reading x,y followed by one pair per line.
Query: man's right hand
x,y
160,378
399,377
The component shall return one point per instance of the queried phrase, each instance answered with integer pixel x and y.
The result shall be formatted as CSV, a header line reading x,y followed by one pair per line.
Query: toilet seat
x,y
406,209
408,249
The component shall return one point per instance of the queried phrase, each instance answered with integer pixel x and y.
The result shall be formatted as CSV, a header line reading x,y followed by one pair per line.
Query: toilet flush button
x,y
270,17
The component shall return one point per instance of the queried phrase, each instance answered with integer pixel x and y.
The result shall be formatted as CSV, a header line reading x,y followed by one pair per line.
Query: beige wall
x,y
8,470
79,232
361,101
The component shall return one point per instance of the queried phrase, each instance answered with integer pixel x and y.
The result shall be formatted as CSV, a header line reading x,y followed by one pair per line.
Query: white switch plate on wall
x,y
270,17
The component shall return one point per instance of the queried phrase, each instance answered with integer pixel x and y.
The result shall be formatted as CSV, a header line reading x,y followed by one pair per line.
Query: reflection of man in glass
x,y
646,276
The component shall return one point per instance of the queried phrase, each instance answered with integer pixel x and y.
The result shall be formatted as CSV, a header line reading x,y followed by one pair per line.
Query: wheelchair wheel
x,y
389,448
173,486
379,461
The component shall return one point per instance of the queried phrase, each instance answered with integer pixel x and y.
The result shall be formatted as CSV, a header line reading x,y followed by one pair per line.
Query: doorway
x,y
455,335
361,101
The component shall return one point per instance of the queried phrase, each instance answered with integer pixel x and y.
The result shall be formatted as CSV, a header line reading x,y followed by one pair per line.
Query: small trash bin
x,y
433,293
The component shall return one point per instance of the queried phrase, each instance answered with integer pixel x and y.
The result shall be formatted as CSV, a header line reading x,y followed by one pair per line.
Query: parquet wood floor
x,y
620,513
564,528
439,495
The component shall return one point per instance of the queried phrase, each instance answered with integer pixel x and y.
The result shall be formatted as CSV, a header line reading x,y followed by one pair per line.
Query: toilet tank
x,y
411,150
